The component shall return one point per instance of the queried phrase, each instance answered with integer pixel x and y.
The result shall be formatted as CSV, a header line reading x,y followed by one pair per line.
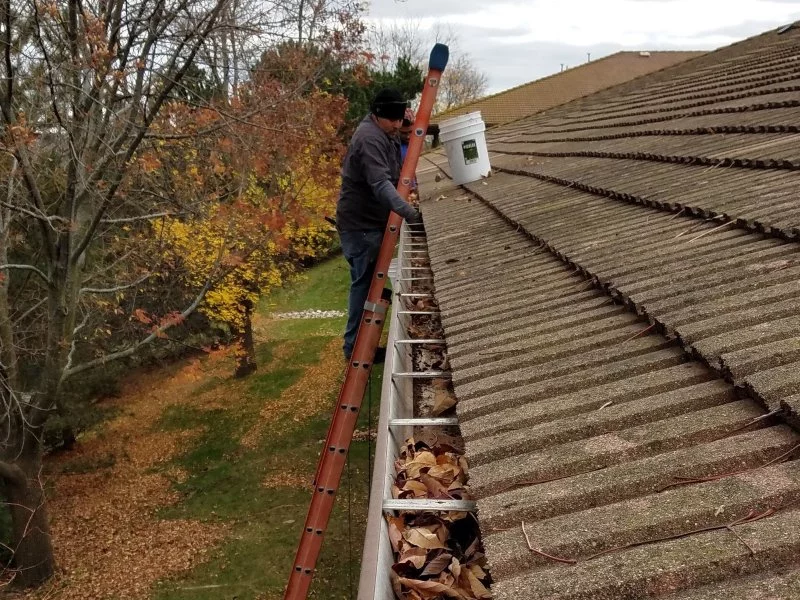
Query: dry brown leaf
x,y
430,589
477,571
445,473
446,578
441,384
423,460
443,400
424,537
454,516
444,533
437,565
414,556
396,527
434,487
397,587
478,589
416,489
455,568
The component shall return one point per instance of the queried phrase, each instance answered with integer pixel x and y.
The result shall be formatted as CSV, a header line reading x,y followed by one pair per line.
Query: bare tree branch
x,y
116,289
44,277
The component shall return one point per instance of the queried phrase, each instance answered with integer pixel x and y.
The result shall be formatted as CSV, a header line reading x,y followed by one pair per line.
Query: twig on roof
x,y
679,480
642,332
690,229
606,405
741,539
677,214
711,168
569,561
751,516
697,237
772,413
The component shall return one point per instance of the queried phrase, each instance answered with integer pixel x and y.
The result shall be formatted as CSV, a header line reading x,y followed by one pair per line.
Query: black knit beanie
x,y
389,104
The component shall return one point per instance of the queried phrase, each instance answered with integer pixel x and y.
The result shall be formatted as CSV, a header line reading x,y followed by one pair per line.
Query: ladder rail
x,y
333,456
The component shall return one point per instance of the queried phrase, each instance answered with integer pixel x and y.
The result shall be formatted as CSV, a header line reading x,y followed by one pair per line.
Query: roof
x,y
539,95
622,312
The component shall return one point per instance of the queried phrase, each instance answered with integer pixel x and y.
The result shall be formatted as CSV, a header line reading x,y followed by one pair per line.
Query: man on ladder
x,y
370,174
375,137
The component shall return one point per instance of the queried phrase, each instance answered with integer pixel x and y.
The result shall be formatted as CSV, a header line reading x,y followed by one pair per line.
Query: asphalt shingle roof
x,y
622,310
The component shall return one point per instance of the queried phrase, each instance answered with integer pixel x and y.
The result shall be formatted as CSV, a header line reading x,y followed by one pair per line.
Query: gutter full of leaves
x,y
437,554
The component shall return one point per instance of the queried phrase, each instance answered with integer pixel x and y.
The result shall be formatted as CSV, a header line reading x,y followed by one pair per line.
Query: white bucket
x,y
465,145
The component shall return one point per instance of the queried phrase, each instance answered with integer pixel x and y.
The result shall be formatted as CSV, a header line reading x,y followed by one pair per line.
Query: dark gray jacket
x,y
370,173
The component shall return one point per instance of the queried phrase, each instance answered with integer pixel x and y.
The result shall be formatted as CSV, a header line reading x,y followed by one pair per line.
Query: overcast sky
x,y
517,42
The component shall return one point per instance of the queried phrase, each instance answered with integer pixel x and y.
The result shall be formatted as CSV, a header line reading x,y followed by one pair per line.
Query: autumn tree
x,y
129,128
80,86
274,177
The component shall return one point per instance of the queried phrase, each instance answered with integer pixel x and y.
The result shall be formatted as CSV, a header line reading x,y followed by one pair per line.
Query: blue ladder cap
x,y
439,56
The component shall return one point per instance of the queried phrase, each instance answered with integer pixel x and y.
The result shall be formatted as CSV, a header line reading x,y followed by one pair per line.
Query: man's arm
x,y
377,174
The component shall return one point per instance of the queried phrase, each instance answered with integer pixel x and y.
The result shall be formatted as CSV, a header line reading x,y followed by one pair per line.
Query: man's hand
x,y
415,218
413,198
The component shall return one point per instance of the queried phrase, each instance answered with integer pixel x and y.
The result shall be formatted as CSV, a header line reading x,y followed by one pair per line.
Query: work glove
x,y
415,218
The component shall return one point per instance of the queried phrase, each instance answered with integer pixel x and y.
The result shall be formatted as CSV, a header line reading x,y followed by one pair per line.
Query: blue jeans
x,y
361,249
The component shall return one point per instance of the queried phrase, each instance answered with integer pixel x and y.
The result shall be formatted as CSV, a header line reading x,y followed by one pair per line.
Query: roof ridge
x,y
632,83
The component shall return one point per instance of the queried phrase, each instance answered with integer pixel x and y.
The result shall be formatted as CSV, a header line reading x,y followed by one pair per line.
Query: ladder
x,y
333,456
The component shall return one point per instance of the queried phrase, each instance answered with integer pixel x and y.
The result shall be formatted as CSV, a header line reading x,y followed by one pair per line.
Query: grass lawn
x,y
324,287
226,481
230,462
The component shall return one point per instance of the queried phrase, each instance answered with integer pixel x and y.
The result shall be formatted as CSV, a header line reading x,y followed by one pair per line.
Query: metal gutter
x,y
397,402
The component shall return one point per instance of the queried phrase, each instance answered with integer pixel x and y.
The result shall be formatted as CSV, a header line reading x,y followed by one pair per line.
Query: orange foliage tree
x,y
268,167
128,204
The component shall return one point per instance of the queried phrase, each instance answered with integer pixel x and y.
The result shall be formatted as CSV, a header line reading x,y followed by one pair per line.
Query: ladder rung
x,y
420,341
418,312
431,422
425,504
416,268
423,375
414,252
428,278
414,295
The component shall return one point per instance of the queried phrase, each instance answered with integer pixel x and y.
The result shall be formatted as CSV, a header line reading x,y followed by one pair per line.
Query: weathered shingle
x,y
622,309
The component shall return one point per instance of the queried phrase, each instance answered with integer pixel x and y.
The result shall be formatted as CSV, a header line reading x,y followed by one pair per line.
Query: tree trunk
x,y
33,550
246,352
68,438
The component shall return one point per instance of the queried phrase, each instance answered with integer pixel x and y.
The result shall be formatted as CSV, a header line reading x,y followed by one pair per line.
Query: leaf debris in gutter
x,y
438,554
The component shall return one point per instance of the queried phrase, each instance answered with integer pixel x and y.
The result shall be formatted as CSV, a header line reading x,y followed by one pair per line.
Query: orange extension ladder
x,y
333,457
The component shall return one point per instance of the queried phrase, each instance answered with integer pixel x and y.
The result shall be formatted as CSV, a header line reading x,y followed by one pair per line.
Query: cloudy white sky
x,y
517,42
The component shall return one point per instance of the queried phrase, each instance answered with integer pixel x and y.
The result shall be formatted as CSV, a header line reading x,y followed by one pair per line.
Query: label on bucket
x,y
470,151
